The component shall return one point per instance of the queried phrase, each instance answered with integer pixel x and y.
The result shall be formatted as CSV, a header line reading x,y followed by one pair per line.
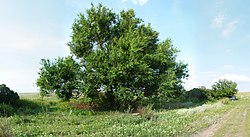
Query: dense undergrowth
x,y
50,117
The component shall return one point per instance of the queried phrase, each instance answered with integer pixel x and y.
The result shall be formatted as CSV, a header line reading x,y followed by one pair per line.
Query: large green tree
x,y
123,58
61,76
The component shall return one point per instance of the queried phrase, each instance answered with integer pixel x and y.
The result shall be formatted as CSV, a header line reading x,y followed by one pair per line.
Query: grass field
x,y
50,117
237,122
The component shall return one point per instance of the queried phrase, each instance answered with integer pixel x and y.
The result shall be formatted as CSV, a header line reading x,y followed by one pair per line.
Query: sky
x,y
213,36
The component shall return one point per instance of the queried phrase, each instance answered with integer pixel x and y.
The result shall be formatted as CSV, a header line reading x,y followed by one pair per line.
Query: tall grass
x,y
47,117
5,128
6,110
201,109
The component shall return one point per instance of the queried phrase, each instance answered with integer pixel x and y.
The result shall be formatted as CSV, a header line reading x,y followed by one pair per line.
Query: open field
x,y
50,117
29,95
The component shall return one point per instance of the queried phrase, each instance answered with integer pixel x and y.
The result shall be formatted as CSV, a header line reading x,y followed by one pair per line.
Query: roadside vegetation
x,y
36,115
49,116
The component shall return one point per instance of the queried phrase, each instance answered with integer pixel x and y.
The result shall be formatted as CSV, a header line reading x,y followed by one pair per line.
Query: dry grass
x,y
5,129
201,109
146,112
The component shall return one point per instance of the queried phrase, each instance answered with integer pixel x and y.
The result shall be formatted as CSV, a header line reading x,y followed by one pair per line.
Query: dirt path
x,y
235,123
209,132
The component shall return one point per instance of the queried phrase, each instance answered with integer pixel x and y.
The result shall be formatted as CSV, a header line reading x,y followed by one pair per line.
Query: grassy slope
x,y
49,117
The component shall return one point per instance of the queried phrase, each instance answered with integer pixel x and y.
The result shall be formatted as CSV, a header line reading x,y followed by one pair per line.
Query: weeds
x,y
5,129
201,109
55,118
129,109
146,112
225,101
6,110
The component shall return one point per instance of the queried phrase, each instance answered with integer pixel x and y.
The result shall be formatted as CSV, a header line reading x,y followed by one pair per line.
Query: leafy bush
x,y
197,94
60,76
224,88
6,110
221,89
8,96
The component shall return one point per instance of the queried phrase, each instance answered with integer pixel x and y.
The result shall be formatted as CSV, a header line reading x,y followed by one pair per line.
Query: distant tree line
x,y
221,89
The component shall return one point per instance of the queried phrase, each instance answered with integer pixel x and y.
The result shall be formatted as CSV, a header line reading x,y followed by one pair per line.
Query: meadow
x,y
49,116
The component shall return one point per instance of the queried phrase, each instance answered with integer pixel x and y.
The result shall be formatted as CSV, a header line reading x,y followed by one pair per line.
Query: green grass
x,y
50,117
246,128
247,124
237,123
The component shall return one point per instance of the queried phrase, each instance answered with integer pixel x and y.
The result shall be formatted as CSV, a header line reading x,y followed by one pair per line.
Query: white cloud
x,y
137,2
229,28
224,23
140,2
218,20
190,84
235,77
192,81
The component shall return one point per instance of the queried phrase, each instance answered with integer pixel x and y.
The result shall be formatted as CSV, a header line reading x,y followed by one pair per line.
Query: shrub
x,y
61,76
211,95
146,112
8,96
224,88
197,94
6,110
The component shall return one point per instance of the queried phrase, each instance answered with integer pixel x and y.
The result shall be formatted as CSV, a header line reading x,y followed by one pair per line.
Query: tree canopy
x,y
123,57
122,60
61,76
224,88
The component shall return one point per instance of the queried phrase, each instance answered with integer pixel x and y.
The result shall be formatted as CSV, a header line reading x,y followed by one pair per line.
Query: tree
x,y
123,58
224,88
61,76
8,96
197,94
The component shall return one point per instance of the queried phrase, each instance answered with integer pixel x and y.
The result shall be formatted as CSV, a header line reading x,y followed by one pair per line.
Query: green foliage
x,y
123,58
224,88
61,76
8,96
56,120
221,89
197,94
6,110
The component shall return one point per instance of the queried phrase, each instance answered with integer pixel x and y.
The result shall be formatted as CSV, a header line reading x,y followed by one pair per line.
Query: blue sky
x,y
213,36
